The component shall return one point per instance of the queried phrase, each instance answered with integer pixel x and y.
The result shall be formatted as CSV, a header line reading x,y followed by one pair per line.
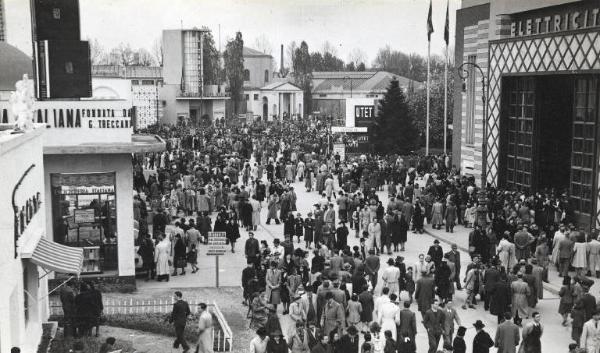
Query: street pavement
x,y
556,338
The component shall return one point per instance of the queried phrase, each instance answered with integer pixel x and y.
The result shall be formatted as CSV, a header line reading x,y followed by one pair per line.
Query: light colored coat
x,y
590,337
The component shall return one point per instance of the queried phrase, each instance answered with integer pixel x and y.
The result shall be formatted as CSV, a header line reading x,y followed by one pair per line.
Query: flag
x,y
429,23
447,26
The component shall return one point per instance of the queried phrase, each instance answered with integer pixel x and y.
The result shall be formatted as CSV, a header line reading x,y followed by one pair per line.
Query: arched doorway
x,y
265,109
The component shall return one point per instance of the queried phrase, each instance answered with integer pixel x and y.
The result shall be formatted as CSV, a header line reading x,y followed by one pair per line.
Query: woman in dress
x,y
162,254
579,256
566,295
232,232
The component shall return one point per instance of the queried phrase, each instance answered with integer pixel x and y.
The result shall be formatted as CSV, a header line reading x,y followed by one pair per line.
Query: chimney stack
x,y
281,64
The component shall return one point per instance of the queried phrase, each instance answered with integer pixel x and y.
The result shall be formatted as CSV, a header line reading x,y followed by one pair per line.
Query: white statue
x,y
21,104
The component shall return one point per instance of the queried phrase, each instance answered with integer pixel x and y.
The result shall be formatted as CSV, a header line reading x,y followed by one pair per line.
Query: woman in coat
x,y
506,252
232,232
162,254
418,219
500,297
520,291
395,231
437,212
179,255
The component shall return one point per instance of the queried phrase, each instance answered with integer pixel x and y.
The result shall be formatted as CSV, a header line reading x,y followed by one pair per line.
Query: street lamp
x,y
464,73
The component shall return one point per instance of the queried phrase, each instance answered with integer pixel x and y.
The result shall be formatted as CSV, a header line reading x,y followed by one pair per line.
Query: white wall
x,y
111,88
101,163
16,156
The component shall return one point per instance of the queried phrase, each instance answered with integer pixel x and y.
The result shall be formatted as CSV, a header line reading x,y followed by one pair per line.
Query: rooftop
x,y
139,144
135,72
366,81
249,53
13,64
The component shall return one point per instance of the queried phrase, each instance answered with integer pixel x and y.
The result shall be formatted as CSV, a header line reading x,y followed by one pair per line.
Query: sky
x,y
347,24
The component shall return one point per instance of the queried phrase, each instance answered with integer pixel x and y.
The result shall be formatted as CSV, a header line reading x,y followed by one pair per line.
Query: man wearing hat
x,y
333,315
277,343
482,342
458,344
309,226
372,265
454,256
299,341
252,249
349,341
297,312
436,253
341,234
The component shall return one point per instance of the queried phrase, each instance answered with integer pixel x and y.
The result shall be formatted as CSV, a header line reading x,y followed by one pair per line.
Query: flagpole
x,y
446,100
428,84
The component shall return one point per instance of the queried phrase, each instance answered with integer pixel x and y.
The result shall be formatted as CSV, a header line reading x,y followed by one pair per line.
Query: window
x,y
256,97
266,75
148,82
246,75
135,82
56,13
69,67
247,97
470,112
84,215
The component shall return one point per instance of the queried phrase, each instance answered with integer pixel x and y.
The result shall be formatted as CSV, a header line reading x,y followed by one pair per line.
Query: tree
x,y
361,67
332,63
262,43
290,51
350,66
303,70
418,106
234,68
316,60
97,53
329,48
357,56
143,57
157,51
210,60
394,130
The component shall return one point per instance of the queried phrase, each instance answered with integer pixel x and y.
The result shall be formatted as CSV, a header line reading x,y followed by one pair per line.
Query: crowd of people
x,y
218,179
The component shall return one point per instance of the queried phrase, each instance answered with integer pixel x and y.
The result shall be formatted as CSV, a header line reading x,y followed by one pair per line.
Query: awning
x,y
56,257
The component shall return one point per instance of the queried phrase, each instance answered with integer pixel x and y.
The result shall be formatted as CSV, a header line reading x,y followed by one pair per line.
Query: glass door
x,y
583,155
519,133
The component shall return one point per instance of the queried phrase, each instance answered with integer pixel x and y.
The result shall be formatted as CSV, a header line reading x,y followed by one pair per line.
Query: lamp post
x,y
464,73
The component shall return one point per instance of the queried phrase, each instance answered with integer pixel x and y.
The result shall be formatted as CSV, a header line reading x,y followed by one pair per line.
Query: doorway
x,y
555,115
265,109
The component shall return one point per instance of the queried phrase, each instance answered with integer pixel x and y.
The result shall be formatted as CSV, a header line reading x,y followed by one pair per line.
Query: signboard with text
x,y
364,115
340,148
217,243
554,19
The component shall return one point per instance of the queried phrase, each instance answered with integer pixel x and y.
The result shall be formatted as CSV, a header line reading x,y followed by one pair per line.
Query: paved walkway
x,y
461,238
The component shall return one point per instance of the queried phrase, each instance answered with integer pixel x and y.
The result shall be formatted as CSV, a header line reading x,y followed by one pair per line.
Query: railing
x,y
222,335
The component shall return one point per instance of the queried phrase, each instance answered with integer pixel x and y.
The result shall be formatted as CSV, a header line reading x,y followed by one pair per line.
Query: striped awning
x,y
56,257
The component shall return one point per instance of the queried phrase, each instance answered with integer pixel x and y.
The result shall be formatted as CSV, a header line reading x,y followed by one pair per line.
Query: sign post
x,y
217,245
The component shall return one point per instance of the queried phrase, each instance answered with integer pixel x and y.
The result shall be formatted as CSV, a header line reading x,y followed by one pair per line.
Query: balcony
x,y
210,92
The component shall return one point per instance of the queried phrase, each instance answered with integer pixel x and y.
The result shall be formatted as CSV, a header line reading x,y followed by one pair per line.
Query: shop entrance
x,y
549,137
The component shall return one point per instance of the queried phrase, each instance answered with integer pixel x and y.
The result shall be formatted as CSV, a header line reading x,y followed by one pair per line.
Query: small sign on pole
x,y
217,245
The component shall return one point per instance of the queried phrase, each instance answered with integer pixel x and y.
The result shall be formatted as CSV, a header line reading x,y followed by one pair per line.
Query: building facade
x,y
539,128
2,22
331,90
185,97
143,82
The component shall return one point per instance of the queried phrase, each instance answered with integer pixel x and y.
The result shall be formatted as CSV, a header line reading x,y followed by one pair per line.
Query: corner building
x,y
539,128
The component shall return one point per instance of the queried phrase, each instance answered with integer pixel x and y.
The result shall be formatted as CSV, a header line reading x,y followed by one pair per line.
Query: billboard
x,y
360,111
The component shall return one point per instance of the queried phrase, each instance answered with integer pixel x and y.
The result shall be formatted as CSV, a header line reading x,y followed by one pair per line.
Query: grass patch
x,y
60,344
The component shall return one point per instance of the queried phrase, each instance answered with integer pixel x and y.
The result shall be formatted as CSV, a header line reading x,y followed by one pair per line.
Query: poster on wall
x,y
85,216
364,115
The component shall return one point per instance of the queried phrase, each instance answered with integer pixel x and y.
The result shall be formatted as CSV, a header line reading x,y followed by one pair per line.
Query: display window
x,y
84,215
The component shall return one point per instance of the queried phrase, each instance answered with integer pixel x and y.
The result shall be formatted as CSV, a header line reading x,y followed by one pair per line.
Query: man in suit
x,y
450,316
590,336
252,250
336,262
333,316
372,265
338,294
322,298
433,320
565,251
408,322
450,215
329,217
589,303
491,276
181,310
349,341
425,293
507,335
